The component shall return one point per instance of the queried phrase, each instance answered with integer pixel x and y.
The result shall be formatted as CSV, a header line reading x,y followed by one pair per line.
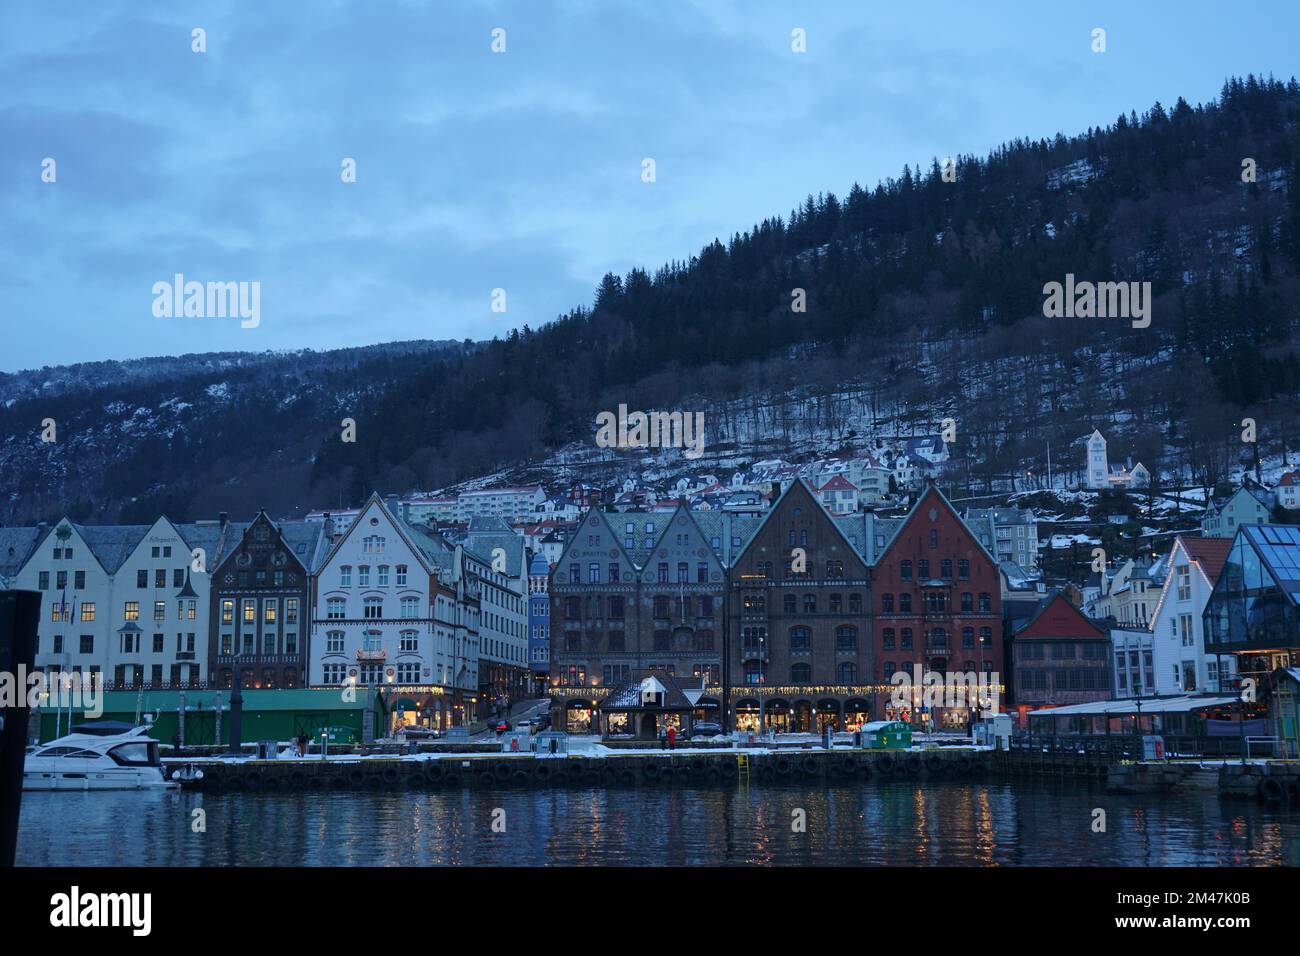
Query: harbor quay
x,y
727,765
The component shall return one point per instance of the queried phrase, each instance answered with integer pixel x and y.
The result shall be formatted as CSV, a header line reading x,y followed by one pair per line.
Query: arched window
x,y
801,674
934,538
846,673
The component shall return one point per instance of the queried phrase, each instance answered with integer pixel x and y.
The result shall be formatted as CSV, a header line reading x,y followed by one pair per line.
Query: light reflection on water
x,y
852,824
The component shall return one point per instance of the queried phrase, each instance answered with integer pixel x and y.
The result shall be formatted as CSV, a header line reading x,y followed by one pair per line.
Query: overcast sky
x,y
519,171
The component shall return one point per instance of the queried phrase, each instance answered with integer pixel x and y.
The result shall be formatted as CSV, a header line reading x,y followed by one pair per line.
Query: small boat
x,y
97,756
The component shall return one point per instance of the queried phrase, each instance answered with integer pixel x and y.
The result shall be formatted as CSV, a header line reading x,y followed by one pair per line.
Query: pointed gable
x,y
928,510
682,539
596,541
795,511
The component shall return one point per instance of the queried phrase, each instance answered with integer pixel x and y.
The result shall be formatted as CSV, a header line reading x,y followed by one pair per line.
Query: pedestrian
x,y
302,744
672,738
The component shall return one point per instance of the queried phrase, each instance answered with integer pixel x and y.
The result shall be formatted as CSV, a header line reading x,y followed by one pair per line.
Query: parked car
x,y
412,732
500,726
707,729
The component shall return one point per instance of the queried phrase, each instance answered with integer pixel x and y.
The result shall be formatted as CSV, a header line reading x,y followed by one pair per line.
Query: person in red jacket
x,y
672,738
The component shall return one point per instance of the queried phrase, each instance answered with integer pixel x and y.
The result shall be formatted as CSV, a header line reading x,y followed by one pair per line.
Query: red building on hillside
x,y
936,593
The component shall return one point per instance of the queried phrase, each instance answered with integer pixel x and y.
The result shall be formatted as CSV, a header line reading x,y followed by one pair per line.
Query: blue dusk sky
x,y
519,170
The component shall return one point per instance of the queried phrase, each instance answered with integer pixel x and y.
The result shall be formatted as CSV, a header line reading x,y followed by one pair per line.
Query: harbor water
x,y
853,824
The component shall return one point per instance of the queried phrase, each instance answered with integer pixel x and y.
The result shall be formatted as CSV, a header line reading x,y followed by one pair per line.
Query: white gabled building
x,y
1098,467
1178,635
124,601
391,611
161,608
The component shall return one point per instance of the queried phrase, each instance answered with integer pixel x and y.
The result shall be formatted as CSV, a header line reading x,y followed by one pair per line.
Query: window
x,y
846,672
800,638
886,603
661,607
131,612
291,610
410,607
945,568
401,575
363,576
616,608
810,604
617,642
43,580
967,602
88,611
333,642
923,569
905,639
159,610
250,612
160,578
345,576
683,572
846,638
789,603
702,573
382,576
79,580
968,637
887,639
613,572
663,572
178,577
905,603
409,642
986,602
963,569
87,645
703,640
335,608
801,674
270,608
837,603
855,603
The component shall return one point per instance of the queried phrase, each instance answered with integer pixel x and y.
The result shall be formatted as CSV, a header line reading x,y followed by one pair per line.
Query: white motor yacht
x,y
104,756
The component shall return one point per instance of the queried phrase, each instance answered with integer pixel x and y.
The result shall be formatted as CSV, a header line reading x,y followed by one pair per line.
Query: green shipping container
x,y
886,735
267,714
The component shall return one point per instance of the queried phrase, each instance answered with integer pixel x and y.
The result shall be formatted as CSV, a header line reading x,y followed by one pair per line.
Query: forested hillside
x,y
924,299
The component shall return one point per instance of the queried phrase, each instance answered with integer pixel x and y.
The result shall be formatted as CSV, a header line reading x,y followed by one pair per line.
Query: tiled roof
x,y
1209,553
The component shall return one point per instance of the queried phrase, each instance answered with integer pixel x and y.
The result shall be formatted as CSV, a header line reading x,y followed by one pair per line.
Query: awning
x,y
1130,705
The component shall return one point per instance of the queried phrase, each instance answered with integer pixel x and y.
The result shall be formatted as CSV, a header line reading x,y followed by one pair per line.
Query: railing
x,y
1129,746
